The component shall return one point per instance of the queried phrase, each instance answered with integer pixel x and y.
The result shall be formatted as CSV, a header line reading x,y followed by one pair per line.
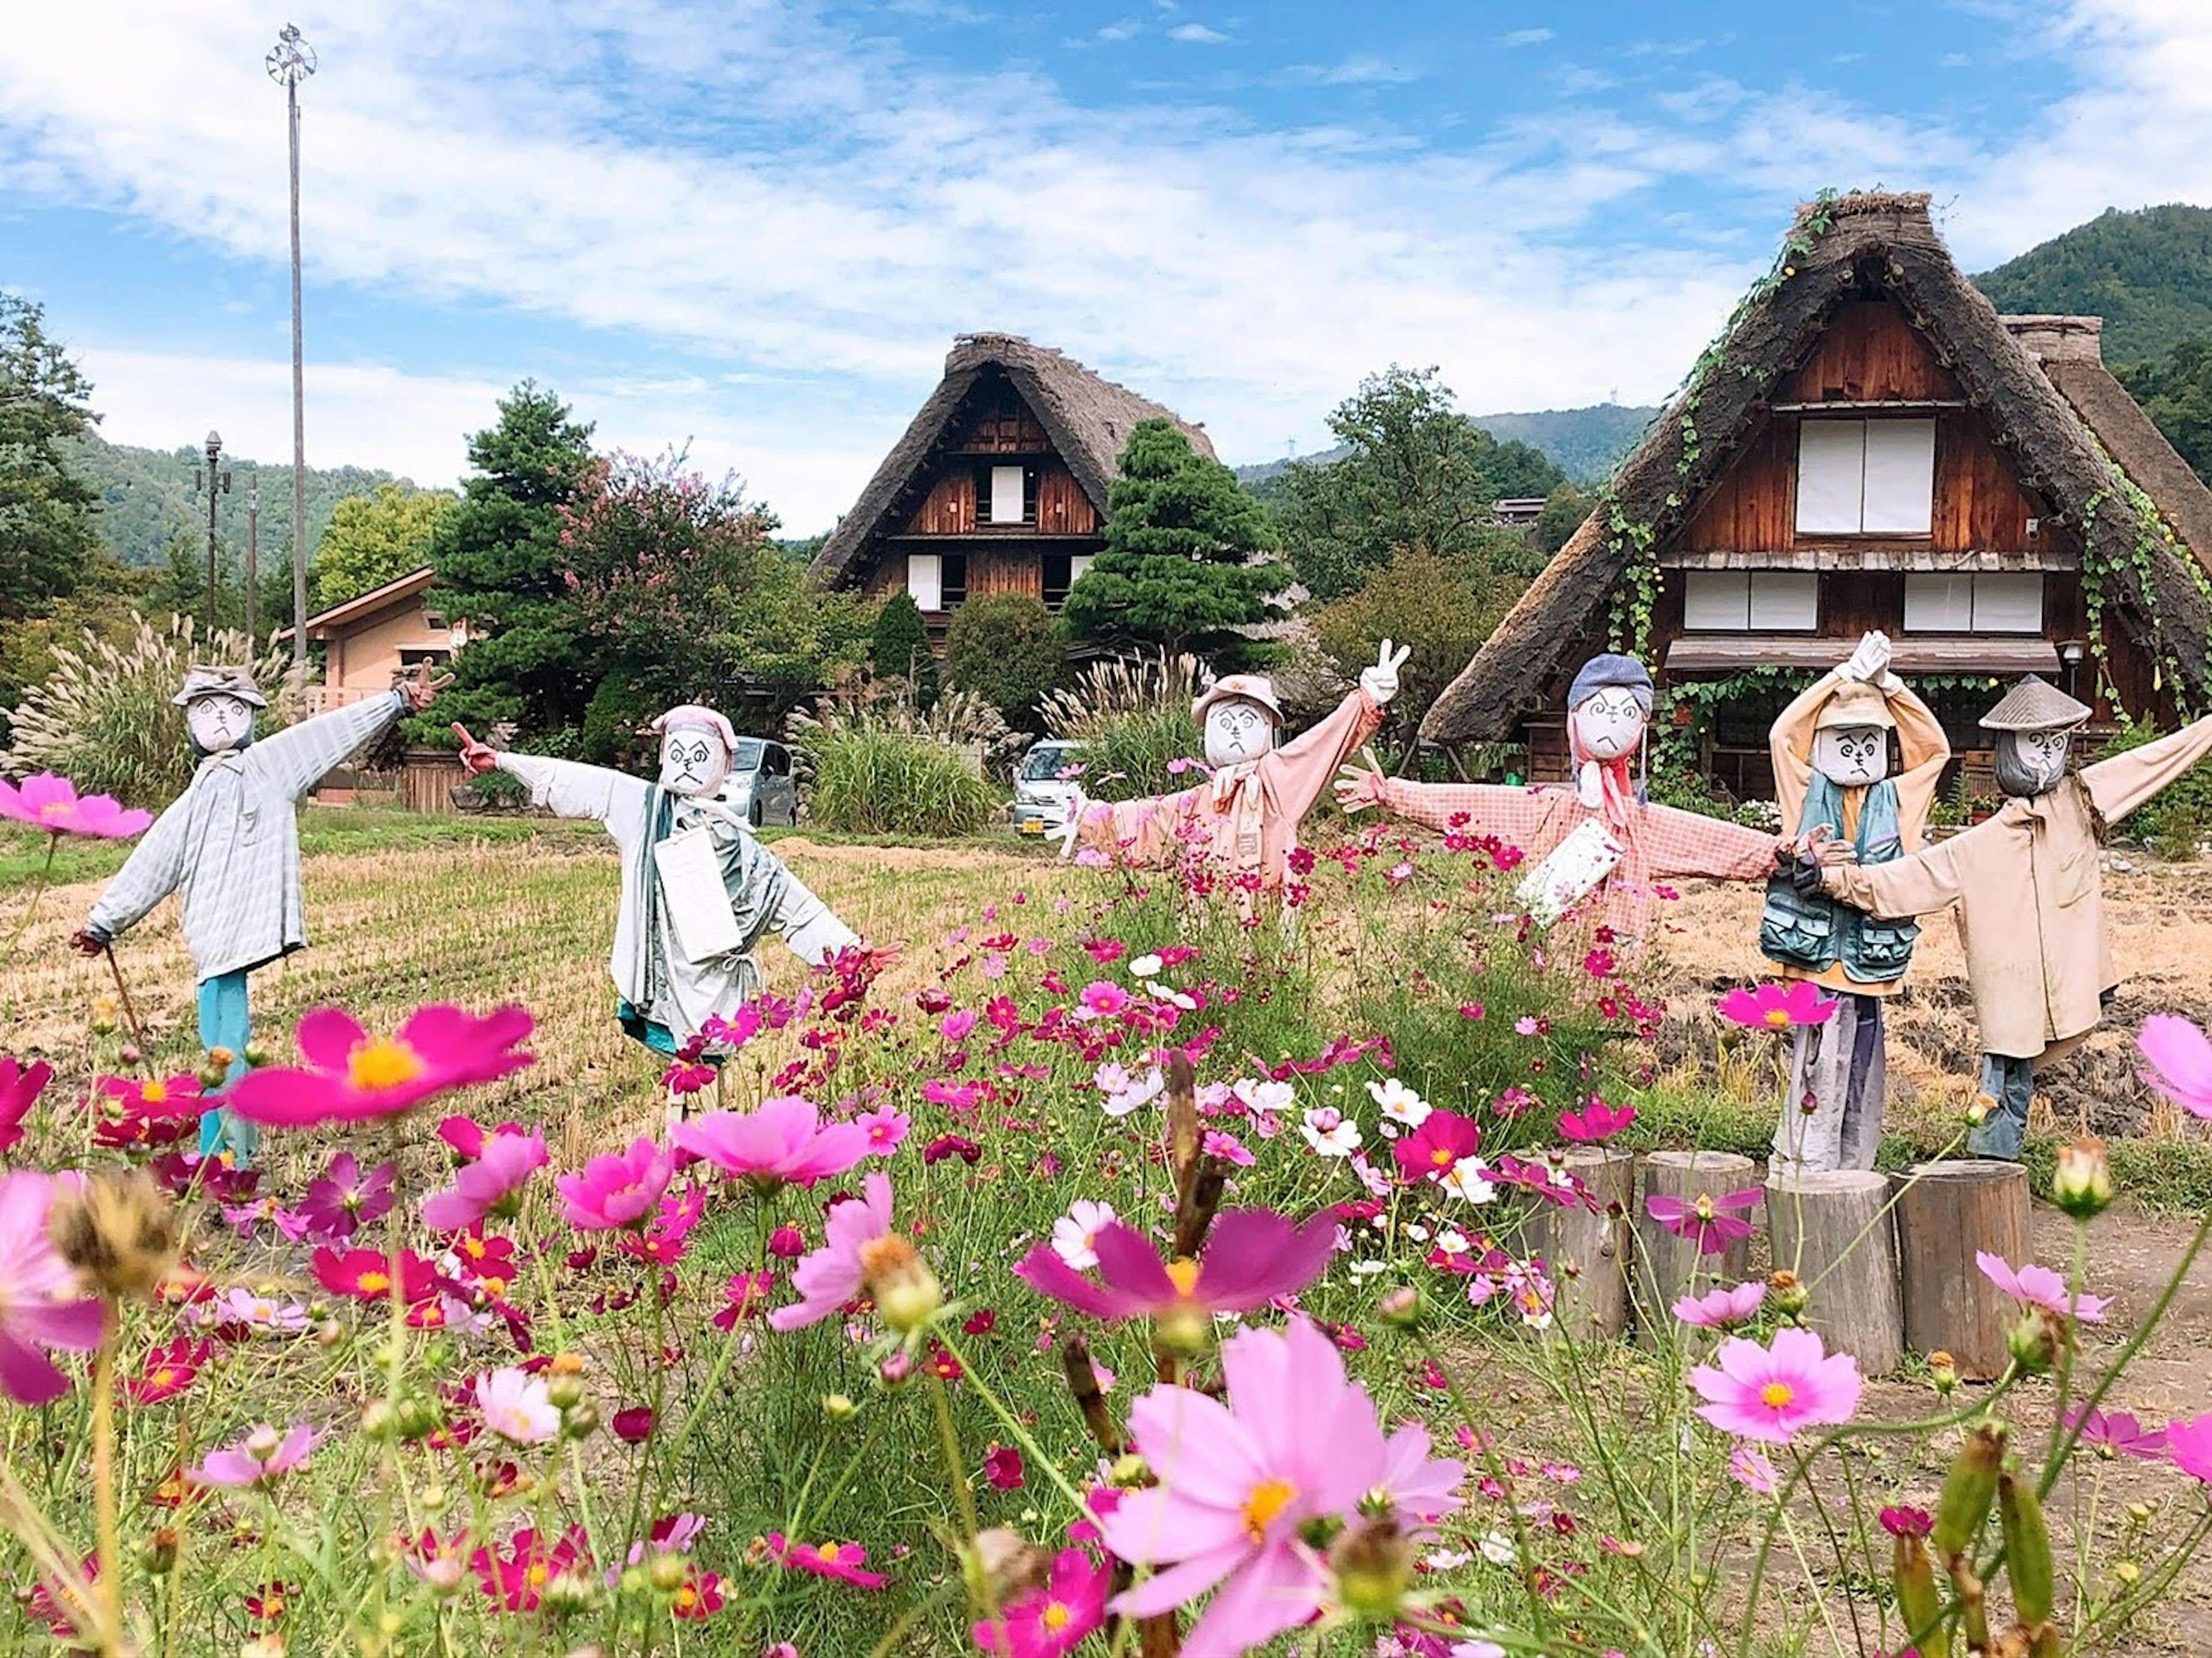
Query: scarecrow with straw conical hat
x,y
2027,885
229,847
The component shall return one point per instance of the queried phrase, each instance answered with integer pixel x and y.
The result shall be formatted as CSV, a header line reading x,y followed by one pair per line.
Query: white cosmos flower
x,y
1399,1102
1075,1232
516,1406
1261,1096
1110,1078
1143,1091
1445,1559
1497,1548
1330,1133
1368,1268
1146,967
1465,1179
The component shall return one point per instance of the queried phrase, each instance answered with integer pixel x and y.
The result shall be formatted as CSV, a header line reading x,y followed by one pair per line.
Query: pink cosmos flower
x,y
1228,1148
40,1306
2189,1442
1435,1148
617,1189
1770,1393
1708,1222
1297,1442
843,1561
257,1460
514,1577
1751,1470
1251,1256
1053,1618
517,1406
1595,1122
1102,999
1420,1489
168,1371
342,1200
20,1085
491,1185
51,803
785,1140
2038,1286
352,1077
2180,1058
1779,1006
832,1275
885,1129
2117,1432
1002,1467
955,1026
1903,1520
1717,1309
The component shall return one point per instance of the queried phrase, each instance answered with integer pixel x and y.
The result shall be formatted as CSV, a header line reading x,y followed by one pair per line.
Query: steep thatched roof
x,y
1087,416
1890,238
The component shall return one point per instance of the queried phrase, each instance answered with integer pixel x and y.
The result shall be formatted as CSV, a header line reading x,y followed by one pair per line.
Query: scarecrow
x,y
229,847
1831,751
1244,818
698,891
2027,885
1598,836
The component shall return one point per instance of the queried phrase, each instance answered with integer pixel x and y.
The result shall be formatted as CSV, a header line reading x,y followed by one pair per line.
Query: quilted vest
x,y
1815,933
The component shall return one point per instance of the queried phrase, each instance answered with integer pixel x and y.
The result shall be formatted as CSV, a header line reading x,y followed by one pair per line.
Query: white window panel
x,y
2008,603
1715,601
1939,604
1831,475
925,579
1006,494
1077,565
1784,601
1901,477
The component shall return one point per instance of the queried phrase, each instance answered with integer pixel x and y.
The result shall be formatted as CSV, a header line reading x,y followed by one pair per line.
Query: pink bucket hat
x,y
1239,687
691,716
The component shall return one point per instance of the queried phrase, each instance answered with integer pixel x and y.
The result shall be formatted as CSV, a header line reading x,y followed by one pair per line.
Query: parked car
x,y
761,784
1041,794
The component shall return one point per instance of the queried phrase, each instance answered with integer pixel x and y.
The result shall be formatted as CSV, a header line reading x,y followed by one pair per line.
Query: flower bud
x,y
433,1498
104,1011
443,1574
1917,1597
1401,1309
2034,1342
566,1363
1968,1490
1943,1371
416,1414
160,1553
215,1066
267,1644
1982,1106
1788,1291
329,1333
378,1420
2027,1551
905,1291
571,1592
1129,1472
2082,1184
564,1390
634,1583
581,1421
129,1053
896,1369
666,1572
1373,1565
2128,1573
837,1406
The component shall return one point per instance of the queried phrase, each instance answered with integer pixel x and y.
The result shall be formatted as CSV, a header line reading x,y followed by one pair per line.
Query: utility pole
x,y
291,61
252,561
216,483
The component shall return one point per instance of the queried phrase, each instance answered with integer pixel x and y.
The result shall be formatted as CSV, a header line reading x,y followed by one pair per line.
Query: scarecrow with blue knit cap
x,y
1594,847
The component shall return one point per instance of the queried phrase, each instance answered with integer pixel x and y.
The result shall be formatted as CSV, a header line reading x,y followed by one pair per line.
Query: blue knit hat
x,y
1604,672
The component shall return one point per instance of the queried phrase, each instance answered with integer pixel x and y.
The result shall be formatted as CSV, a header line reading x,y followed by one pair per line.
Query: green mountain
x,y
1586,444
147,502
2148,273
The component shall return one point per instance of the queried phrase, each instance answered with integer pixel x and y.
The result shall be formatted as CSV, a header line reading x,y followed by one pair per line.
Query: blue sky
x,y
755,227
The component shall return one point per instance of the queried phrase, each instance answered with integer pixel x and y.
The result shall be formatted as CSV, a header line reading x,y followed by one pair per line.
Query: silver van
x,y
761,784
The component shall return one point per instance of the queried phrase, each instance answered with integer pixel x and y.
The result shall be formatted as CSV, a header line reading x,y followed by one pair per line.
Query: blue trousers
x,y
2011,1083
226,1023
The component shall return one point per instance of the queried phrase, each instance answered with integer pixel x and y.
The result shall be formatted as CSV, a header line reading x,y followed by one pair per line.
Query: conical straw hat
x,y
2035,705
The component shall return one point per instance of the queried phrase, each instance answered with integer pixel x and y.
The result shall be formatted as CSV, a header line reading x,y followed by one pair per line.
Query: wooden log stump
x,y
1946,1211
1831,1230
1588,1249
1666,1265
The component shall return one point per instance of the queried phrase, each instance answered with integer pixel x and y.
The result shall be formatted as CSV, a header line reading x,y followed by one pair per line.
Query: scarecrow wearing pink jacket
x,y
1244,820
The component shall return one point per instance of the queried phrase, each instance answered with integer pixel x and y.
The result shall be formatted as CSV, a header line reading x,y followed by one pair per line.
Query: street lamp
x,y
216,484
291,61
252,560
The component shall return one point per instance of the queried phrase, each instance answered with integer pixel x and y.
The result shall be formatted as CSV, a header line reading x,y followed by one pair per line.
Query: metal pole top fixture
x,y
214,445
291,60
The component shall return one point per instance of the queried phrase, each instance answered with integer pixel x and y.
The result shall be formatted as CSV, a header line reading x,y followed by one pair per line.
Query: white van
x,y
1041,794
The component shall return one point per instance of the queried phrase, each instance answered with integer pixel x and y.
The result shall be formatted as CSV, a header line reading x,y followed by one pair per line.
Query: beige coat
x,y
2031,902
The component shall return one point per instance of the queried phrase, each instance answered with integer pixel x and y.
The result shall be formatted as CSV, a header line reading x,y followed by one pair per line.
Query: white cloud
x,y
1364,70
1197,34
1524,38
1123,30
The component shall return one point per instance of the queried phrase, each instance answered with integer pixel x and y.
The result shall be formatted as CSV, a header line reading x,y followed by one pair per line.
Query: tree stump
x,y
1946,1211
1588,1250
1666,1265
1831,1229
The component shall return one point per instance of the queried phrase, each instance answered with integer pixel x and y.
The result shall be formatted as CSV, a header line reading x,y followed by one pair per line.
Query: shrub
x,y
1008,649
899,647
870,780
103,717
2178,818
1134,716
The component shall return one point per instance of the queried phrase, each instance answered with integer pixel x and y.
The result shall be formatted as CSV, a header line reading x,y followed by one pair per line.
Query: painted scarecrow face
x,y
1608,725
1851,757
693,761
2029,763
218,721
1237,730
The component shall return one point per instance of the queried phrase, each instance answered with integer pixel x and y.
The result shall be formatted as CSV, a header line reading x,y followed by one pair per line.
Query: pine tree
x,y
46,535
901,647
1182,567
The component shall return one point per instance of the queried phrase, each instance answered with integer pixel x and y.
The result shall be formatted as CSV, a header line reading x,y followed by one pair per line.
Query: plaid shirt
x,y
1658,842
229,845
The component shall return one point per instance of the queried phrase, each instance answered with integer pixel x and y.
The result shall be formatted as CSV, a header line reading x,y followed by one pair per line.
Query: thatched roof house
x,y
1870,445
999,484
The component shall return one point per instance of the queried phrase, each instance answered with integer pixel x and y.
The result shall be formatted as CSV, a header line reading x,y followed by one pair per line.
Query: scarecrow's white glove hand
x,y
1381,681
1869,663
1072,830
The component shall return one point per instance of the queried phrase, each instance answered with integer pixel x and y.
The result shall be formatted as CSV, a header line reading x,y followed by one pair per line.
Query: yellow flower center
x,y
153,1093
381,1062
374,1282
162,1377
1777,1015
1441,1156
687,1597
474,1248
1183,1273
1268,1499
1704,1205
828,1552
1776,1394
1055,1617
536,1573
56,809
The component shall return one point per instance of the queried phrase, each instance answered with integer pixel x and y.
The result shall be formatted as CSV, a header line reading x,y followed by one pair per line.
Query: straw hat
x,y
2033,705
1854,703
1239,687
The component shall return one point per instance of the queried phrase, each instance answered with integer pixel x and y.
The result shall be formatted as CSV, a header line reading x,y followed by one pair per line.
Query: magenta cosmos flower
x,y
2118,1432
1055,1617
1297,1442
352,1077
1779,1006
1436,1147
1716,1310
20,1085
832,1275
1770,1393
785,1140
2189,1442
1711,1221
492,1184
2038,1286
2180,1058
617,1188
39,1303
342,1200
257,1460
1251,1256
51,803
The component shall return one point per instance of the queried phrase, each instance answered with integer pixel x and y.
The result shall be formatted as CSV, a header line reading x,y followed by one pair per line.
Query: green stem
x,y
1539,1613
110,1587
1013,1426
38,891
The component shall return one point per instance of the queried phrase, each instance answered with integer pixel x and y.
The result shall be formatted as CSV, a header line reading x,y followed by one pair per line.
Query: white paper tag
x,y
697,904
1570,871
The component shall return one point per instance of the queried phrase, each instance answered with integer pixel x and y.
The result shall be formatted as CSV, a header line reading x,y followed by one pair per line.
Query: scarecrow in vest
x,y
1244,820
698,891
229,847
1831,752
2027,885
1597,838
